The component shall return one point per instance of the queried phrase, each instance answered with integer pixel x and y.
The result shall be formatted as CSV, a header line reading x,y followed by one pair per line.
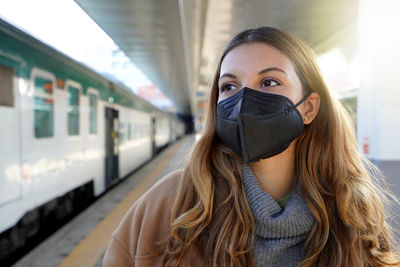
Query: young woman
x,y
275,180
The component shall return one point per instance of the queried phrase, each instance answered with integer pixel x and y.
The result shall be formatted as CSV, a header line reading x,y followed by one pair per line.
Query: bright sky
x,y
65,26
55,22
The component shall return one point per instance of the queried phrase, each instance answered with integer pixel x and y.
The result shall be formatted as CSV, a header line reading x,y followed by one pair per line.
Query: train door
x,y
10,172
111,142
153,135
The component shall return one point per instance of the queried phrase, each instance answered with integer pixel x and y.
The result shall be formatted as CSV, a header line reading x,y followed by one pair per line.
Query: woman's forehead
x,y
255,57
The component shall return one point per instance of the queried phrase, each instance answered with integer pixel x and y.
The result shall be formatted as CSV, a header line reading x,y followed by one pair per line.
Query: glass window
x,y
129,131
43,117
93,113
73,111
43,86
6,86
135,136
43,108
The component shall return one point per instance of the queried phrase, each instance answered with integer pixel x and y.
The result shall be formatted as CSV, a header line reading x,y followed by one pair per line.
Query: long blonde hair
x,y
211,209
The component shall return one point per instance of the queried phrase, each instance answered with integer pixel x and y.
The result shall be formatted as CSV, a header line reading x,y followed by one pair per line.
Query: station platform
x,y
83,240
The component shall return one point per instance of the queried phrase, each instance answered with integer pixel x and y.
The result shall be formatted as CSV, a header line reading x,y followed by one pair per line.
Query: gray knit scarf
x,y
279,234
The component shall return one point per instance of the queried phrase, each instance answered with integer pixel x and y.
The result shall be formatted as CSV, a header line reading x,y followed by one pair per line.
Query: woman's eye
x,y
227,87
270,83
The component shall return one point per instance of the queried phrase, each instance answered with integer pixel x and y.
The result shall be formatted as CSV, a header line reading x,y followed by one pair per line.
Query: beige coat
x,y
146,222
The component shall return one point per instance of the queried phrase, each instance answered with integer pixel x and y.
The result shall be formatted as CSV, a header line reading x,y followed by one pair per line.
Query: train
x,y
67,134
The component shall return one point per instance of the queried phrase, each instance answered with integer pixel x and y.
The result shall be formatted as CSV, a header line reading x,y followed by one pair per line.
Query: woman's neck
x,y
276,174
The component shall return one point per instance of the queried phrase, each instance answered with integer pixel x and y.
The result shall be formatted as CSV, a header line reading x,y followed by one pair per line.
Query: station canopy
x,y
177,43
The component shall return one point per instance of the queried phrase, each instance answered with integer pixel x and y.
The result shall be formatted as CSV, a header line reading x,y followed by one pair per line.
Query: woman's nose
x,y
251,85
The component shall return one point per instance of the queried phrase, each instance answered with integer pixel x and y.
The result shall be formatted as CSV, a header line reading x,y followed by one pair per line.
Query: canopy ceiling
x,y
176,43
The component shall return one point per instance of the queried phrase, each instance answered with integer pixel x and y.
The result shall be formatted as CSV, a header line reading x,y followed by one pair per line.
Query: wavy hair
x,y
343,190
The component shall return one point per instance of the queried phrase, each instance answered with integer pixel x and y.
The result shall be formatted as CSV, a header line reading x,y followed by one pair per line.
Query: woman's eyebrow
x,y
272,69
227,75
259,73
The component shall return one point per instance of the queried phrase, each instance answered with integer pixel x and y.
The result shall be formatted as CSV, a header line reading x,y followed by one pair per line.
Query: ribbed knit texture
x,y
279,234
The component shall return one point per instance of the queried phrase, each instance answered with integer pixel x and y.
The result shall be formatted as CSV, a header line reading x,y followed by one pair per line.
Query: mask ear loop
x,y
302,100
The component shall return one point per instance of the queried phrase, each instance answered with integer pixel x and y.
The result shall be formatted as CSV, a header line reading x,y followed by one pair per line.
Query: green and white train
x,y
67,133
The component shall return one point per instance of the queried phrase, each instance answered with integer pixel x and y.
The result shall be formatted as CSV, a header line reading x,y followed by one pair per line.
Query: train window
x,y
93,113
129,131
6,86
73,111
135,131
43,108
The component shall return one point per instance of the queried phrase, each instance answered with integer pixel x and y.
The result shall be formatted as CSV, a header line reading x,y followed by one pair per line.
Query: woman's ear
x,y
311,107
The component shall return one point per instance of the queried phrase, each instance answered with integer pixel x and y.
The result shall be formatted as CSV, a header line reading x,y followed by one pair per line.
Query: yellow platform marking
x,y
88,252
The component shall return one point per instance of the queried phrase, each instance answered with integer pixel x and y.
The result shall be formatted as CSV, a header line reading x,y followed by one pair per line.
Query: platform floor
x,y
83,240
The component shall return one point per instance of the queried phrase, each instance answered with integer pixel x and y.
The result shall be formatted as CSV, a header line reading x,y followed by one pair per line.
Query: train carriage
x,y
67,133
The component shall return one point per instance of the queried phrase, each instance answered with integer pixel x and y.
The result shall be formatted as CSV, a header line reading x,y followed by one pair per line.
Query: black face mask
x,y
258,125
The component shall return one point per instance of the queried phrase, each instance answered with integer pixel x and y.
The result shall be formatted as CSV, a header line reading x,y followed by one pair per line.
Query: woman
x,y
275,180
